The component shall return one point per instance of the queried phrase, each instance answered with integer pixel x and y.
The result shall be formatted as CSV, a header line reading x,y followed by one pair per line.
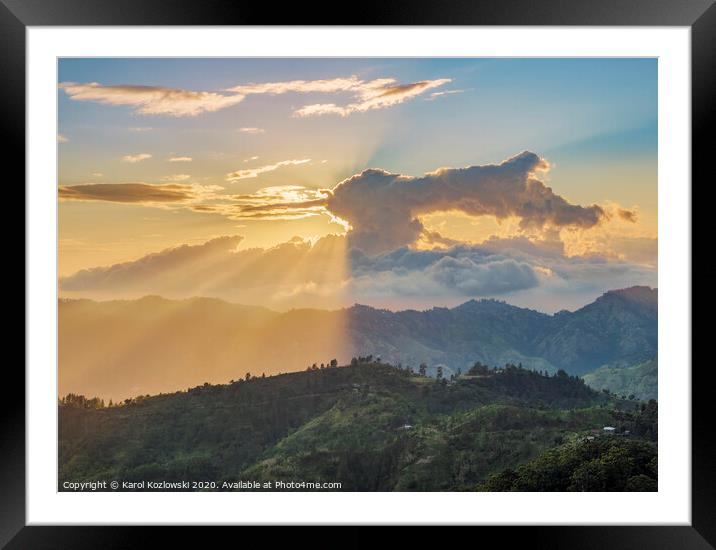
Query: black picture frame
x,y
16,15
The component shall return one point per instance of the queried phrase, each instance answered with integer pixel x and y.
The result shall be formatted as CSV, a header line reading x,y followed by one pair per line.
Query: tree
x,y
478,369
248,376
641,483
440,372
334,363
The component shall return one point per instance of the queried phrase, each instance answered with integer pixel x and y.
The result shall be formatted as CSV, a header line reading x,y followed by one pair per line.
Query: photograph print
x,y
357,274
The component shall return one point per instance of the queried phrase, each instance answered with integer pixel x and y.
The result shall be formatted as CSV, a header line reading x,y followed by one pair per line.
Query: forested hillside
x,y
368,426
639,381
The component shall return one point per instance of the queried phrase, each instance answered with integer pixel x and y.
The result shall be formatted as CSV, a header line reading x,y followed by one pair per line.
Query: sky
x,y
398,183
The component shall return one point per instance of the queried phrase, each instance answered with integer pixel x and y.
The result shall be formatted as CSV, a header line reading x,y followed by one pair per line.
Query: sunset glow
x,y
307,182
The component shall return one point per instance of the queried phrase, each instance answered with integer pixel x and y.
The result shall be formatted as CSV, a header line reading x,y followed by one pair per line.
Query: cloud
x,y
303,86
254,172
217,268
433,239
298,269
325,273
382,211
525,248
460,271
136,158
252,130
531,273
153,270
376,94
285,202
319,109
578,272
159,100
151,100
180,159
384,208
627,215
436,95
134,193
141,129
61,138
251,158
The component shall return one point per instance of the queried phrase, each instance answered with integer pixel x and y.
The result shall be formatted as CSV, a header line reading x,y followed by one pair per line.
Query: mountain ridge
x,y
123,348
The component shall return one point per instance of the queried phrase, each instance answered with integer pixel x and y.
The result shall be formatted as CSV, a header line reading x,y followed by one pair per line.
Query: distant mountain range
x,y
120,349
619,328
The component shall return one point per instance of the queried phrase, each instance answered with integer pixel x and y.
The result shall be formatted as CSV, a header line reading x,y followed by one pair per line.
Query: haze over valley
x,y
121,349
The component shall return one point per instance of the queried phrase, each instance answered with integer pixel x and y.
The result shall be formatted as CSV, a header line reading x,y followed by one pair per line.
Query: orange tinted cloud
x,y
627,215
373,95
151,100
159,100
137,193
247,173
133,159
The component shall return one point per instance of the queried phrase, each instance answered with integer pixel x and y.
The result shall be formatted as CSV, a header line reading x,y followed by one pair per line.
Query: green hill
x,y
640,381
608,463
367,426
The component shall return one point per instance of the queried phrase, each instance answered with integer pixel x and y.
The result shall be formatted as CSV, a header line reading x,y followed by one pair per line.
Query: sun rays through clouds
x,y
320,183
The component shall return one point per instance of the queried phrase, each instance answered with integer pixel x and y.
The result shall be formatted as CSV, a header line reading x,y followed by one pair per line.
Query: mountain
x,y
640,380
368,426
489,331
618,328
120,349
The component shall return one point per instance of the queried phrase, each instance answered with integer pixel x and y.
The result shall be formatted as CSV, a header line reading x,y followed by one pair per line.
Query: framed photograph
x,y
407,269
